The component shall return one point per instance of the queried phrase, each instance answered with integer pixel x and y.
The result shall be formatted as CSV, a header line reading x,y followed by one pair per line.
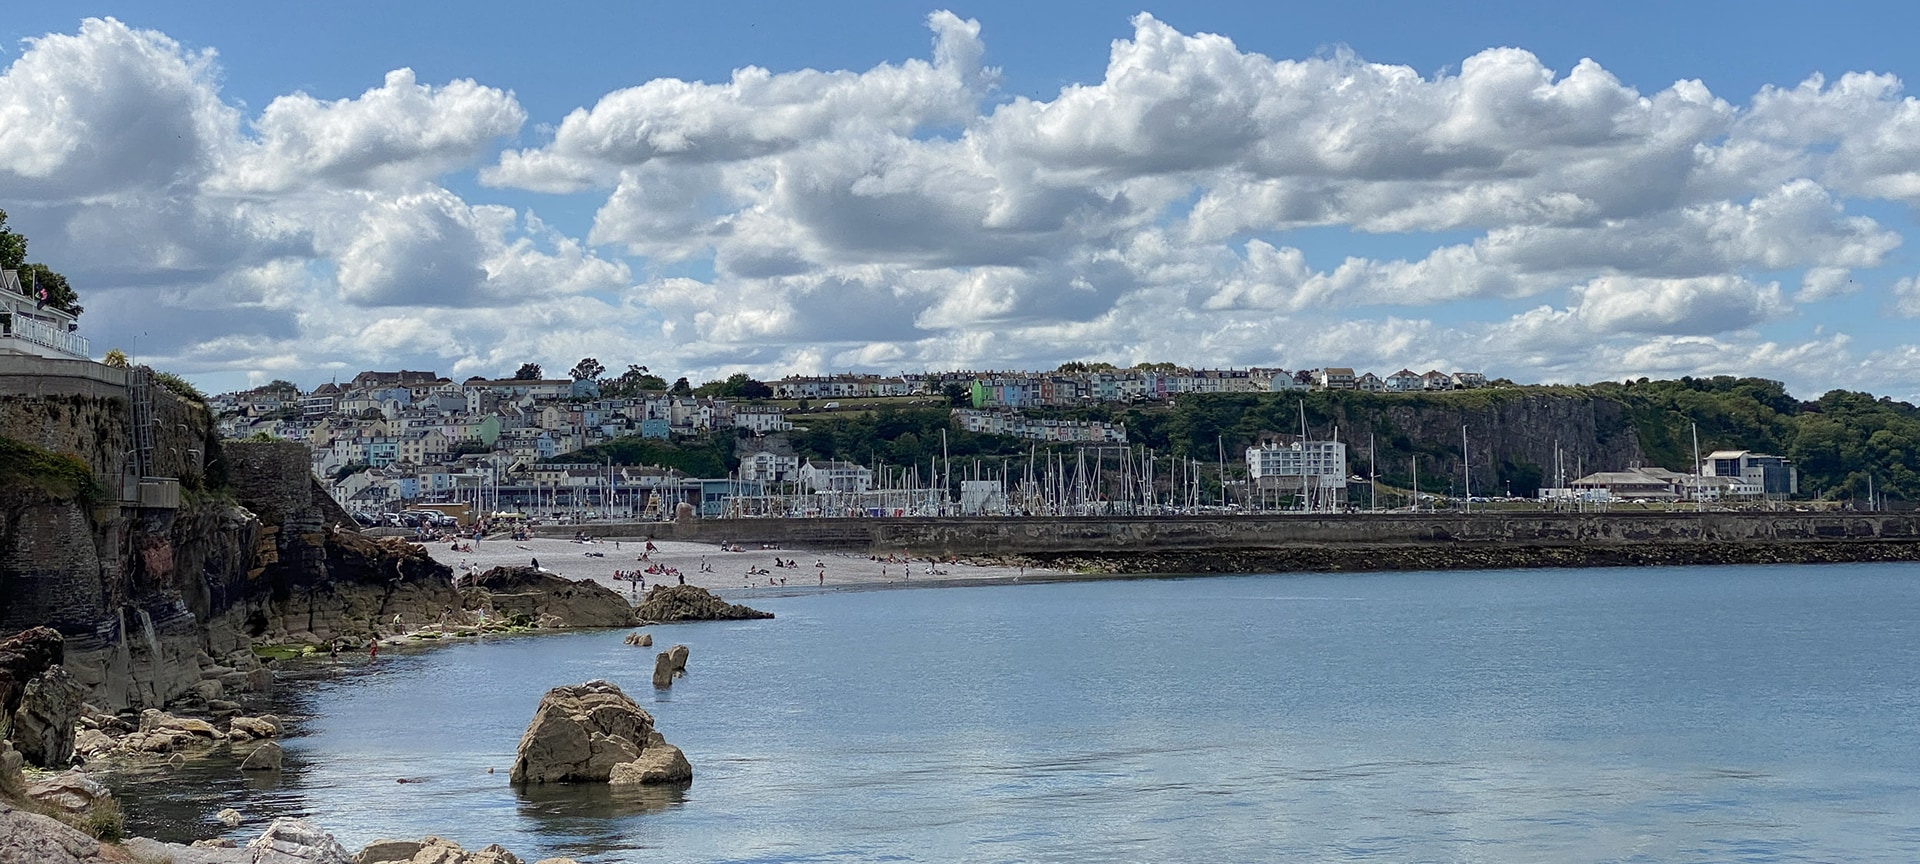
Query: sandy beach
x,y
749,572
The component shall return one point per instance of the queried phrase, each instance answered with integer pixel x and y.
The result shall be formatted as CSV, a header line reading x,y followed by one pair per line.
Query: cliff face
x,y
1508,440
158,605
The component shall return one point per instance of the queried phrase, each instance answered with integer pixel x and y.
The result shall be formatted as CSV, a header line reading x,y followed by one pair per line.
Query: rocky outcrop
x,y
581,733
659,762
24,656
644,640
672,603
31,837
438,850
663,673
72,791
550,600
43,726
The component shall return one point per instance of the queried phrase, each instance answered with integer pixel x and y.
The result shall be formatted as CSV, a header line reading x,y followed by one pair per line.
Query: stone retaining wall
x,y
1055,536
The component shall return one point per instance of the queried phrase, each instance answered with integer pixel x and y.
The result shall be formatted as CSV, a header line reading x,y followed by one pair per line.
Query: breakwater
x,y
1321,542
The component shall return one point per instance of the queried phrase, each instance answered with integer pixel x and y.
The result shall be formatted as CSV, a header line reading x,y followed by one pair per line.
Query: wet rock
x,y
663,669
579,733
254,727
644,640
266,757
229,817
659,762
669,603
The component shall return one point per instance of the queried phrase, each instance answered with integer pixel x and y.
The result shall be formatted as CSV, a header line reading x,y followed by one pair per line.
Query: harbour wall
x,y
1335,542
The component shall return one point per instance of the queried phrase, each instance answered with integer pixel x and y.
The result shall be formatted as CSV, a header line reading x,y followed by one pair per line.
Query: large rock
x,y
24,656
391,851
663,669
73,791
659,762
266,757
536,595
301,840
579,733
669,603
30,837
43,724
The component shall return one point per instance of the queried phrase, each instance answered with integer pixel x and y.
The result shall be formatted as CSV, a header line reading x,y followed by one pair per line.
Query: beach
x,y
751,571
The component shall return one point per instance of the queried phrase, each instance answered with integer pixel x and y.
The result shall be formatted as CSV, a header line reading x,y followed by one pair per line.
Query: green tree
x,y
587,369
35,277
13,246
957,395
527,372
681,388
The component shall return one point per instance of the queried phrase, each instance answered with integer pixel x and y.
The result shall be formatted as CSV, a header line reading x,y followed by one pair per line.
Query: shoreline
x,y
737,576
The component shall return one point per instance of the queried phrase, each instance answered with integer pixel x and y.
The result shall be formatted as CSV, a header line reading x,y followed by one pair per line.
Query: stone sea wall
x,y
1344,541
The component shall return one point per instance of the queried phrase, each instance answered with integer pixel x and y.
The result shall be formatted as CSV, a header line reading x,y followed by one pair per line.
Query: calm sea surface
x,y
1659,715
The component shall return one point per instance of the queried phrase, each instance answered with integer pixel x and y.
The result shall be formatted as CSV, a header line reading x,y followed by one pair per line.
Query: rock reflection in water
x,y
592,816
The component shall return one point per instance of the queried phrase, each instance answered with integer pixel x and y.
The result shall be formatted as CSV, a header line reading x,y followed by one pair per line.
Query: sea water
x,y
1650,714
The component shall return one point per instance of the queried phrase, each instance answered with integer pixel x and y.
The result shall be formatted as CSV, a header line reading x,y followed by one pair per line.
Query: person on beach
x,y
373,650
536,563
683,578
823,575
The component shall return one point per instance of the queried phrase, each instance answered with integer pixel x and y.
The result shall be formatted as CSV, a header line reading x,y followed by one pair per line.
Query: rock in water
x,y
266,757
678,654
668,603
43,725
301,840
579,733
663,669
659,762
229,817
644,640
523,592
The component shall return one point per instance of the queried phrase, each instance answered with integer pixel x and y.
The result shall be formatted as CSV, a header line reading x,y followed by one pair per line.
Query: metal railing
x,y
44,334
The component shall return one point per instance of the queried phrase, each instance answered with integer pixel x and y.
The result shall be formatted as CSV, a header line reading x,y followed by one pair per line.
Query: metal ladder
x,y
140,400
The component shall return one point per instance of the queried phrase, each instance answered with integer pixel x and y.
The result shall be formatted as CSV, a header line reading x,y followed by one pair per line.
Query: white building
x,y
767,467
28,326
1757,473
1312,465
835,477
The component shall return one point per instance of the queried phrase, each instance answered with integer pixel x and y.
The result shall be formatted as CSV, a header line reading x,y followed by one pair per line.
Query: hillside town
x,y
383,438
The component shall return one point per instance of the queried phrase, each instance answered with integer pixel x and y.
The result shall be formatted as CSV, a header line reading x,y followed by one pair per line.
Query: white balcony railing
x,y
45,335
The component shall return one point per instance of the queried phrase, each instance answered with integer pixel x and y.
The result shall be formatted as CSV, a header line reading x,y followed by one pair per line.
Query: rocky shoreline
x,y
45,709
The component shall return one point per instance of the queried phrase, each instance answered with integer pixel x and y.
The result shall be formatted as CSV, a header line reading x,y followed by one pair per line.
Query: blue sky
x,y
304,191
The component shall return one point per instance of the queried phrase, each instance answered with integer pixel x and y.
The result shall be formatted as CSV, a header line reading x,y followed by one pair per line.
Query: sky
x,y
243,192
